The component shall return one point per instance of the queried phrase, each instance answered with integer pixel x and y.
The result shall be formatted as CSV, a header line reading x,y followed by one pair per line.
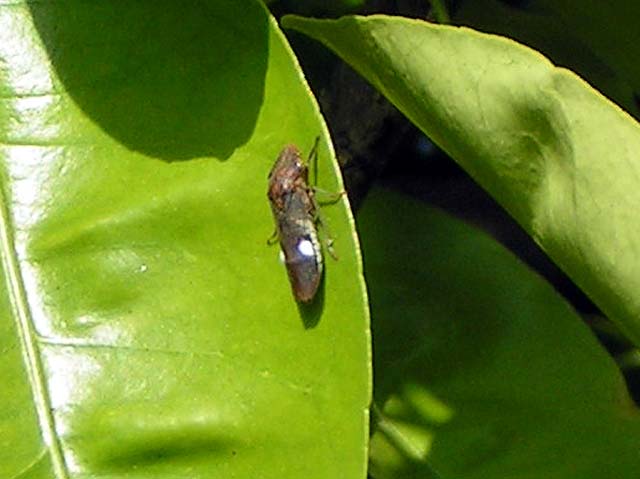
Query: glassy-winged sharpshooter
x,y
296,215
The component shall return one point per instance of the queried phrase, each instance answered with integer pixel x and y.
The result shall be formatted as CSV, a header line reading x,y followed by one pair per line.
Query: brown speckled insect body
x,y
295,212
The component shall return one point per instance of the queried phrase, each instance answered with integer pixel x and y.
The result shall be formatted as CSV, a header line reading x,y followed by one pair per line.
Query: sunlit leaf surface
x,y
147,329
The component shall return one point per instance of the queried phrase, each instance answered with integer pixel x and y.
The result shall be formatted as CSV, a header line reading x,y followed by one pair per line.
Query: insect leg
x,y
324,235
323,230
329,197
312,160
326,238
273,239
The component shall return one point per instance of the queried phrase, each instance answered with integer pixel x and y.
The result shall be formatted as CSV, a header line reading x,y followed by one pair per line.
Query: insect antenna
x,y
313,157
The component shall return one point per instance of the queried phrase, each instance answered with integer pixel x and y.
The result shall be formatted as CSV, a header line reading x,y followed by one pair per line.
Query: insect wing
x,y
303,259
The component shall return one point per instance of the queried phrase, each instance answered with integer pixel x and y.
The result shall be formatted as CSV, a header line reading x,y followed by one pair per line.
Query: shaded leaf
x,y
482,369
573,34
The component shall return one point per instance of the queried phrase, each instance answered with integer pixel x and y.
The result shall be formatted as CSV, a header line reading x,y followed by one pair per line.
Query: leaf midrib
x,y
24,321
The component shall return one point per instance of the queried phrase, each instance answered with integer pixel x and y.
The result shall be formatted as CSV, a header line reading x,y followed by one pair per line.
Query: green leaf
x,y
148,331
482,370
591,22
555,153
573,34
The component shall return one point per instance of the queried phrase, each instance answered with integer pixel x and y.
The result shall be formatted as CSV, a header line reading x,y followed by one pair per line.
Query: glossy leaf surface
x,y
555,153
482,370
147,329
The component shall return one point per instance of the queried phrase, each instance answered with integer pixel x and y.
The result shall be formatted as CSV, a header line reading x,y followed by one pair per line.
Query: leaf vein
x,y
23,318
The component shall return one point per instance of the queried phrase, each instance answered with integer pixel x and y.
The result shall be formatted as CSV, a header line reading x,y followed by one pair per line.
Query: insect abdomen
x,y
303,259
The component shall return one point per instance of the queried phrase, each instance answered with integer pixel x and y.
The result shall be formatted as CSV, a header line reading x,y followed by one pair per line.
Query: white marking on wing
x,y
306,248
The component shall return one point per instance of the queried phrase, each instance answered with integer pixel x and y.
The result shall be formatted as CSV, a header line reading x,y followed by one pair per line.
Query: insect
x,y
296,215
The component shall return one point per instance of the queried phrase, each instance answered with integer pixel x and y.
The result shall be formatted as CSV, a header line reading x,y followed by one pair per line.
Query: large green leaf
x,y
147,329
482,370
610,30
573,33
555,153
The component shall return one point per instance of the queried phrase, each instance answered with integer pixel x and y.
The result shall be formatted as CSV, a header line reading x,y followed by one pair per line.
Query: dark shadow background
x,y
161,78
